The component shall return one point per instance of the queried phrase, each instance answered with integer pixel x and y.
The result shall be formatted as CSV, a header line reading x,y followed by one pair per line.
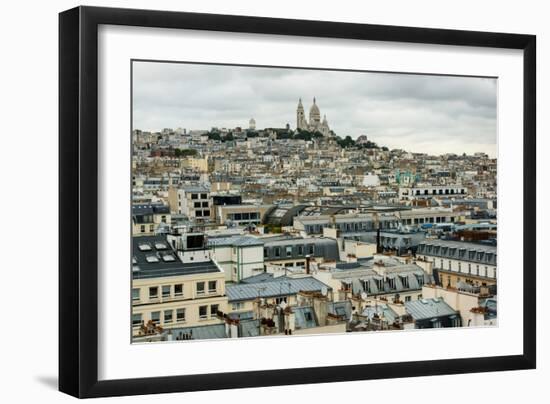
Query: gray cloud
x,y
421,113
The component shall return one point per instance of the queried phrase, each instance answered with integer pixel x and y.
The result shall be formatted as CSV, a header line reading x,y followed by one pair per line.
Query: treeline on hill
x,y
299,134
349,142
281,134
184,152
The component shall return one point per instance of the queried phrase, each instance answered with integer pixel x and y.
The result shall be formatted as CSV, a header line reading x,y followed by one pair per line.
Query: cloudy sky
x,y
419,113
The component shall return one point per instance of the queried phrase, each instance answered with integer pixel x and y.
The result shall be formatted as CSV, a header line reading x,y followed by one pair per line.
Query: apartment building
x,y
239,256
458,261
241,215
192,201
430,215
311,225
147,217
170,293
431,191
291,252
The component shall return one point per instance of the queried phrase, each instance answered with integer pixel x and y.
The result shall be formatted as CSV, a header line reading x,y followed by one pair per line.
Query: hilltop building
x,y
315,124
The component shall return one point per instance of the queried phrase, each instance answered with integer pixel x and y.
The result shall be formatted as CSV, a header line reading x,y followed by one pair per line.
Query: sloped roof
x,y
428,308
284,287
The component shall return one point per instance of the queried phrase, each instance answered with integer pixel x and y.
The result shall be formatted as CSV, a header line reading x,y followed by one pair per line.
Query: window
x,y
153,292
206,213
308,316
420,279
166,291
366,286
407,298
477,270
155,317
168,316
178,289
198,213
277,251
459,267
279,300
200,288
469,268
237,306
152,228
391,282
288,251
203,312
311,249
214,310
266,252
204,196
205,204
450,265
194,196
212,286
136,319
135,294
180,315
197,204
163,219
142,228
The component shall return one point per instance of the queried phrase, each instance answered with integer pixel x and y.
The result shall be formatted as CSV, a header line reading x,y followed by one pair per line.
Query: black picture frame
x,y
78,200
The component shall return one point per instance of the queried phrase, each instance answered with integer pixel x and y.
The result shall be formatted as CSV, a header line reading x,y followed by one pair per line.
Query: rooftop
x,y
428,308
283,287
154,257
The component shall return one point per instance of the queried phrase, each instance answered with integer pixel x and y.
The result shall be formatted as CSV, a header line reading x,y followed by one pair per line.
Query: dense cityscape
x,y
292,230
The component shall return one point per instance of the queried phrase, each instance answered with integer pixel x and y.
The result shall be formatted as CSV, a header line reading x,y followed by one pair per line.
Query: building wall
x,y
359,248
225,213
464,269
240,261
425,192
149,228
187,205
421,216
190,299
197,164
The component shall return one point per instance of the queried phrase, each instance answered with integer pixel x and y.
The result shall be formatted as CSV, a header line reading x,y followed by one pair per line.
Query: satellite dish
x,y
324,291
364,295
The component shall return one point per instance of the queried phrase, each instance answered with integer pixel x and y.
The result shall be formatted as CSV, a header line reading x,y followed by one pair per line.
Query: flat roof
x,y
154,257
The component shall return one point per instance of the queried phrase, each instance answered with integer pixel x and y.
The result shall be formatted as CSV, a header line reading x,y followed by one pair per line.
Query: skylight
x,y
161,246
144,247
152,258
168,258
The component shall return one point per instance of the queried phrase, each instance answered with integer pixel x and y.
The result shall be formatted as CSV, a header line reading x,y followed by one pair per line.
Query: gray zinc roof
x,y
428,308
284,287
201,332
239,241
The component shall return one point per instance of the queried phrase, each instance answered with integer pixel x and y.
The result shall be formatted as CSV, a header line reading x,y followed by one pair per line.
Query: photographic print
x,y
283,201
